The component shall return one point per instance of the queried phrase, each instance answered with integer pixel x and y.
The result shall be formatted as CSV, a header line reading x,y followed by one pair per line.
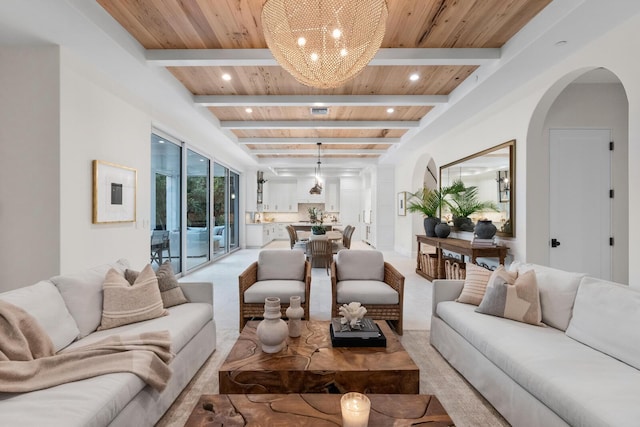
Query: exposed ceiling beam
x,y
327,164
314,141
263,57
318,100
324,124
313,153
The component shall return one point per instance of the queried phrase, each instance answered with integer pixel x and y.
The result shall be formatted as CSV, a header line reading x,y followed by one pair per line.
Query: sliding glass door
x,y
194,206
197,209
166,182
234,210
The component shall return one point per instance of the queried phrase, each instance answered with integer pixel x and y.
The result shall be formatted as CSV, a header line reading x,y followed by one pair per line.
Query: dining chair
x,y
159,244
321,253
293,239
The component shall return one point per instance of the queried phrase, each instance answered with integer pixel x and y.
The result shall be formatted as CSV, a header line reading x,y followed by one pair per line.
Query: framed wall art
x,y
402,203
114,193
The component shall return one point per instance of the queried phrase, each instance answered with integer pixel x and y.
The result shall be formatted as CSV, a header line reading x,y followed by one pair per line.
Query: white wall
x,y
29,165
57,114
521,116
385,208
95,124
591,106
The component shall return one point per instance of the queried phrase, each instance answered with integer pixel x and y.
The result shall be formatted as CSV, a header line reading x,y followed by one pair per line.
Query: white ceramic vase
x,y
294,314
272,331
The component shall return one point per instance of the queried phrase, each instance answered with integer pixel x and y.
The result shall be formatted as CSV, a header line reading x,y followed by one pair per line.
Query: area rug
x,y
465,405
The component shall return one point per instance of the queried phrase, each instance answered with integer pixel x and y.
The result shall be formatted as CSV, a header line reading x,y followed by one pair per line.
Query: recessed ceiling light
x,y
226,77
390,110
249,110
414,77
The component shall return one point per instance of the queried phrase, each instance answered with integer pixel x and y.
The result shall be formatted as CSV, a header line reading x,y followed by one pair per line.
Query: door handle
x,y
555,243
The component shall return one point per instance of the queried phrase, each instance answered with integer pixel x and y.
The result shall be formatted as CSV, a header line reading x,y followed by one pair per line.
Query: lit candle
x,y
355,410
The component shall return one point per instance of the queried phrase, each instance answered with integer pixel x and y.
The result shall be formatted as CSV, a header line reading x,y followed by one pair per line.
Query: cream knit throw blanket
x,y
28,361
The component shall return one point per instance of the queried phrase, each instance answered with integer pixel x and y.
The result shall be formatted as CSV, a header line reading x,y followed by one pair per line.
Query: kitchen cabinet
x,y
260,234
280,196
332,196
281,231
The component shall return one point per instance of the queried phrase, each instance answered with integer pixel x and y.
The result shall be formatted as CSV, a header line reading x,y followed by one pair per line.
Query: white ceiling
x,y
86,30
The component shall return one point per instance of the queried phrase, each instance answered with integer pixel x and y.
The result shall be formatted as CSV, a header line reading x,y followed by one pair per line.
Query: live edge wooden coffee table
x,y
309,364
316,410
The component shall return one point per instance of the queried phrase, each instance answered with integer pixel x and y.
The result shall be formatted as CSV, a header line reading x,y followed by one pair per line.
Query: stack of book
x,y
482,243
367,334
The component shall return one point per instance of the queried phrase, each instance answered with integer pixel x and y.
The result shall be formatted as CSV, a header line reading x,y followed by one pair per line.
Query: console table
x,y
459,246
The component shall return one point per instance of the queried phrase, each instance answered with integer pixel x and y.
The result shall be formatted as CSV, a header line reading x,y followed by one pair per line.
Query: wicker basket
x,y
454,269
429,264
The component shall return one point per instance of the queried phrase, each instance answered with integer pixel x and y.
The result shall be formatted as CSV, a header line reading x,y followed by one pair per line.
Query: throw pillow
x,y
475,284
519,301
170,291
124,303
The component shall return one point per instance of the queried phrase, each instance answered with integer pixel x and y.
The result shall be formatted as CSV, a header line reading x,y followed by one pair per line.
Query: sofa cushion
x,y
557,292
45,304
82,293
125,303
362,264
280,265
606,316
283,289
519,301
476,281
170,291
92,402
555,369
183,322
365,292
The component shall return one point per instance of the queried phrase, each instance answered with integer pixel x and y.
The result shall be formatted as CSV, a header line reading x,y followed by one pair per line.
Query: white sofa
x,y
69,308
582,369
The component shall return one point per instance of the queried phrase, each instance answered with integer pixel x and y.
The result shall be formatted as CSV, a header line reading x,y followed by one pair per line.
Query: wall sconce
x,y
502,178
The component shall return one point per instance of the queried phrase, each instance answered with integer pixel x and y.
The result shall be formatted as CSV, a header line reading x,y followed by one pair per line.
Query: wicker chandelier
x,y
324,43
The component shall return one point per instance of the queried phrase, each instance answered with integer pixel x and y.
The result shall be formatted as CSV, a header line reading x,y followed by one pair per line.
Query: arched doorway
x,y
585,101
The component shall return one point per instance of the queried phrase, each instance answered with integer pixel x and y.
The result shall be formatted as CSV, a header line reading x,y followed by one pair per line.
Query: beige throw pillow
x,y
475,283
520,301
170,291
124,303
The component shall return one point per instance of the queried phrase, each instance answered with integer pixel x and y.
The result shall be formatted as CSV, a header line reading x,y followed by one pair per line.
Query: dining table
x,y
331,235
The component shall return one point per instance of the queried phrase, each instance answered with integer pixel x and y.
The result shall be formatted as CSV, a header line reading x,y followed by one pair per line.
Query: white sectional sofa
x,y
69,308
581,369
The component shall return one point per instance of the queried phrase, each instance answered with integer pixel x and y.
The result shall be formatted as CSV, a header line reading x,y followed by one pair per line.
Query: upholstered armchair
x,y
363,276
277,273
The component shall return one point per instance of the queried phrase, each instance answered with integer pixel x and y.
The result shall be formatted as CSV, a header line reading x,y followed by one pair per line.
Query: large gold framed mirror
x,y
492,172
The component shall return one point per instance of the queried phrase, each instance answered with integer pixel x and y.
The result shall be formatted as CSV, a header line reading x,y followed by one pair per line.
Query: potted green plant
x,y
318,229
463,202
428,202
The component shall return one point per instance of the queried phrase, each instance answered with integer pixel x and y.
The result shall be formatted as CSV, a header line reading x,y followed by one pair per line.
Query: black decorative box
x,y
357,339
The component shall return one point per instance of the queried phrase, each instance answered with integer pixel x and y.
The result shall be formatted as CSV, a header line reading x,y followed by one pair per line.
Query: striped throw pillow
x,y
124,303
475,283
170,290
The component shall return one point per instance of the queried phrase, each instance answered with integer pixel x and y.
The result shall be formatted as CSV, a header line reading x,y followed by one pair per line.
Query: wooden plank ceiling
x,y
263,124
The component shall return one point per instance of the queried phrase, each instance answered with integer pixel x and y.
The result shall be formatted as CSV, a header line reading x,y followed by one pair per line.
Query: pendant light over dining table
x,y
324,43
317,188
